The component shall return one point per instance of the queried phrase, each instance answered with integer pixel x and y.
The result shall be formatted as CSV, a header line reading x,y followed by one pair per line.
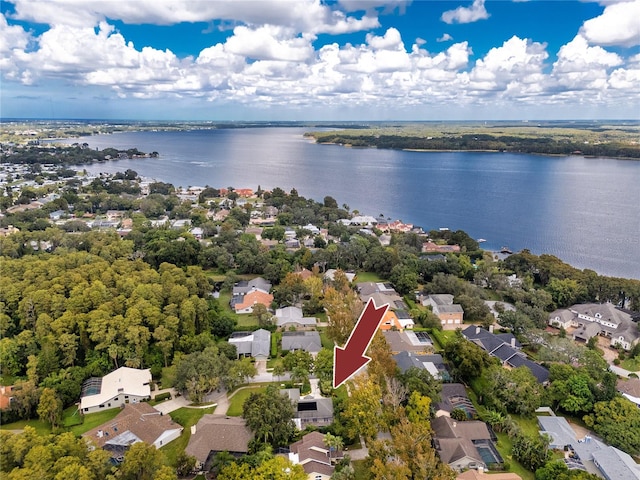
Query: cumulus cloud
x,y
270,43
277,65
619,24
517,60
475,12
445,38
310,16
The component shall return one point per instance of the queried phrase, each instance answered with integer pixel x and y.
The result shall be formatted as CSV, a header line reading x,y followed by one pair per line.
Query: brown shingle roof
x,y
219,433
141,419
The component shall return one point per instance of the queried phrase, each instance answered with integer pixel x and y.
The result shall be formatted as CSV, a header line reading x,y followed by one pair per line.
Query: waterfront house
x,y
604,319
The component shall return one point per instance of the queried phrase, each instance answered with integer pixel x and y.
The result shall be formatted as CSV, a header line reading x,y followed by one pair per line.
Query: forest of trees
x,y
483,142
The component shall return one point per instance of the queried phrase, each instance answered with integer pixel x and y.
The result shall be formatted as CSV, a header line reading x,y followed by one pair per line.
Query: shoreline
x,y
425,150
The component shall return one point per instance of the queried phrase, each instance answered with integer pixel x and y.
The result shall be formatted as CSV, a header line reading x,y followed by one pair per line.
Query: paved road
x,y
621,371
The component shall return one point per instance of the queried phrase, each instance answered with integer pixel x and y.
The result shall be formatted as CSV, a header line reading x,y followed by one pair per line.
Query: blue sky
x,y
315,60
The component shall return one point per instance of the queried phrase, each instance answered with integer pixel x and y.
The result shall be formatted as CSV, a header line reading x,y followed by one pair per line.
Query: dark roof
x,y
454,395
483,338
315,408
495,346
307,341
504,352
406,360
538,371
446,427
508,338
219,433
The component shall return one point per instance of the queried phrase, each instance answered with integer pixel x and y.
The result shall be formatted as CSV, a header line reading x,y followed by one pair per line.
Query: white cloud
x,y
277,65
619,24
310,16
445,38
466,14
390,41
13,40
517,60
578,56
270,43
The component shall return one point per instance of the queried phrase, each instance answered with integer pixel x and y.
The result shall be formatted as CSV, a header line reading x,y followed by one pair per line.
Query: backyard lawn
x,y
91,420
236,402
71,420
631,364
186,417
42,428
368,277
243,320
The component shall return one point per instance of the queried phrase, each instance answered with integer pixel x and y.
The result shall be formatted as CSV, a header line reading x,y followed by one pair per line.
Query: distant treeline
x,y
483,142
71,155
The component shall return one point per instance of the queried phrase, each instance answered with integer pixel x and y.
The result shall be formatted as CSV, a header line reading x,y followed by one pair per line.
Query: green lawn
x,y
42,428
71,420
631,364
243,320
368,277
186,417
505,446
441,337
92,420
236,402
325,340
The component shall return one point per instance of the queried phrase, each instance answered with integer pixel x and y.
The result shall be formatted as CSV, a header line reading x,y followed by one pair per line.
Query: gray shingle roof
x,y
307,341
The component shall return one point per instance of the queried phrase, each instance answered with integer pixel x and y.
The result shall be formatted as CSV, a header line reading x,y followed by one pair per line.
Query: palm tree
x,y
334,443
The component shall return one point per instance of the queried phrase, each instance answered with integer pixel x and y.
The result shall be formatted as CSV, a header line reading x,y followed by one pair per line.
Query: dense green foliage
x,y
483,142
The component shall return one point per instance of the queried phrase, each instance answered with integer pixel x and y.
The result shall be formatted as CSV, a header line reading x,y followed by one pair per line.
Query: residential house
x,y
10,230
122,386
310,410
292,317
330,274
630,389
218,433
57,215
255,344
256,284
138,422
408,341
589,453
6,396
309,341
453,396
397,316
315,457
465,445
505,347
430,247
450,314
482,475
434,364
245,303
604,319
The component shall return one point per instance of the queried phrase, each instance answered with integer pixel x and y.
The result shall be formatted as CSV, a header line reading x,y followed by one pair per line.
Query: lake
x,y
585,211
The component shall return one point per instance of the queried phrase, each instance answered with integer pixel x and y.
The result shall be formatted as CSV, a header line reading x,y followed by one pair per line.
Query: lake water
x,y
585,211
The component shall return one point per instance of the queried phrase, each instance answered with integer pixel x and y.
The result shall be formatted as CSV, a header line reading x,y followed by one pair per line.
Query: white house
x,y
122,386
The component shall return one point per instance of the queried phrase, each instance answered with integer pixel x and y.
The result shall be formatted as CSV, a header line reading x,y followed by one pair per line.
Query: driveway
x,y
169,406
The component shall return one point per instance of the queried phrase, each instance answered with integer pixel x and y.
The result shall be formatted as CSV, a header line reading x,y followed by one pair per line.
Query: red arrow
x,y
349,359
